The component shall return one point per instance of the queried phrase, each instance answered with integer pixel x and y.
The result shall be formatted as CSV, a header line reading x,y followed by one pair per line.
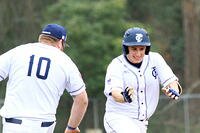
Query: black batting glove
x,y
128,95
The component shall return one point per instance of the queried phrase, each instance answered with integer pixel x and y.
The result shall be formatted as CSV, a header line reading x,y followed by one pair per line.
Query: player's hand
x,y
173,90
172,93
77,130
128,94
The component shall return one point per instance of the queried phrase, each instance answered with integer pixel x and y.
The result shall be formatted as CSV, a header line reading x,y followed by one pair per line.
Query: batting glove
x,y
172,93
128,95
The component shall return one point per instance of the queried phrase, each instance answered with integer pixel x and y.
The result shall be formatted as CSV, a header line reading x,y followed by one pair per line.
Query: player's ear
x,y
60,45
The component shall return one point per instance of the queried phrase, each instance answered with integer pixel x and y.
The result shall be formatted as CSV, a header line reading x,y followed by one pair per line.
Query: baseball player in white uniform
x,y
132,84
38,73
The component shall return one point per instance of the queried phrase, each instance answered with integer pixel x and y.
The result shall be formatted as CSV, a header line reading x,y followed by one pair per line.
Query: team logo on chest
x,y
139,37
154,73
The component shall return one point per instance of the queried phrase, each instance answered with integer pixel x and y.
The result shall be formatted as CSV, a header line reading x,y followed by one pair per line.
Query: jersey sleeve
x,y
5,64
75,83
165,73
114,77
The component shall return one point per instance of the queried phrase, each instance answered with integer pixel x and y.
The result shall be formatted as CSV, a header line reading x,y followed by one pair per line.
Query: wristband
x,y
71,128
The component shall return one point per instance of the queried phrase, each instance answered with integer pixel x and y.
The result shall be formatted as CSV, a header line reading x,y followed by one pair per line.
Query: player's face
x,y
136,53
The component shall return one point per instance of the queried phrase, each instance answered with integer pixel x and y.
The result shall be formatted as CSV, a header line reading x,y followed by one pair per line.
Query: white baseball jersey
x,y
38,75
145,80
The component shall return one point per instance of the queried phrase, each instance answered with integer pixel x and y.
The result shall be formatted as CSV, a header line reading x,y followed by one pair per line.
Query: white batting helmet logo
x,y
139,37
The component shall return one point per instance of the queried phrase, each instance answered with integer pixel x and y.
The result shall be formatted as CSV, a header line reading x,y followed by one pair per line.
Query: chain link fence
x,y
181,116
176,116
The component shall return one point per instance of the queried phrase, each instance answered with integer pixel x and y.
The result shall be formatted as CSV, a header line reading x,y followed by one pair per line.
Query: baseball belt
x,y
19,121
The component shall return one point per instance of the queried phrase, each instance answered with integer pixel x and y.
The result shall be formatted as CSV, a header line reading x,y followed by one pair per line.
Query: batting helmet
x,y
136,37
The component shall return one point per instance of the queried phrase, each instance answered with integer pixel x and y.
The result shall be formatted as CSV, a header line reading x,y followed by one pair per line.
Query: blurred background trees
x,y
191,19
95,31
19,22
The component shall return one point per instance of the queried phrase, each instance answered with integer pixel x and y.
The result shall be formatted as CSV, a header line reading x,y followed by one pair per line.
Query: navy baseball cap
x,y
56,31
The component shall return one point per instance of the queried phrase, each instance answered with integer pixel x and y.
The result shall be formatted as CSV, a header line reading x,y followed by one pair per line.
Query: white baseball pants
x,y
27,126
117,123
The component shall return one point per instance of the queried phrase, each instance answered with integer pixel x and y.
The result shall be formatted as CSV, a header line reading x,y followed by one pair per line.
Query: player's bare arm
x,y
77,112
117,96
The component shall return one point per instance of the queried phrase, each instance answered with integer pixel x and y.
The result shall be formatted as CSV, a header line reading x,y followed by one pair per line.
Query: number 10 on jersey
x,y
43,62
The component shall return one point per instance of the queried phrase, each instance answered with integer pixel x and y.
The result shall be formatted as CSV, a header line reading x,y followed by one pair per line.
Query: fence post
x,y
1,103
96,116
96,128
186,114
